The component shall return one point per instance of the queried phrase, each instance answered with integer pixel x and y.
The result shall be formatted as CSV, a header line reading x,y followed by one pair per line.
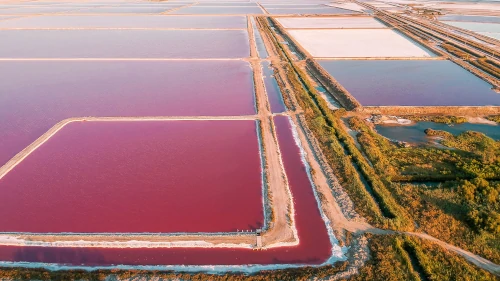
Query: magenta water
x,y
272,89
124,44
411,83
200,10
158,176
129,21
314,248
311,11
36,95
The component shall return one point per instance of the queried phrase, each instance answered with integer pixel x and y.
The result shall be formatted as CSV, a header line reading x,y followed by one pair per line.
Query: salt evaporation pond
x,y
261,47
35,10
487,29
411,83
476,26
126,10
272,88
227,4
151,176
470,18
124,44
200,10
2,18
331,22
36,95
358,43
292,6
129,21
416,133
309,11
314,247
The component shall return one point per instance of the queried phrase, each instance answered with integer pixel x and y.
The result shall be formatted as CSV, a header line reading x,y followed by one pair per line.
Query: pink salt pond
x,y
113,43
138,176
314,247
36,95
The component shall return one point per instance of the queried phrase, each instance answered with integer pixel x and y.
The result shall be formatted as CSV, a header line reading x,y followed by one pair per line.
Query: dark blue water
x,y
416,133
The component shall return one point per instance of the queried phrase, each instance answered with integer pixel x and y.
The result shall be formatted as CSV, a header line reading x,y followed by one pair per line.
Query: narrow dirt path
x,y
473,258
329,203
281,229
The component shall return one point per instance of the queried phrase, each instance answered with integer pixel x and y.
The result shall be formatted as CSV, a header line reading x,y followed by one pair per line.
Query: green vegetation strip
x,y
340,149
398,257
464,209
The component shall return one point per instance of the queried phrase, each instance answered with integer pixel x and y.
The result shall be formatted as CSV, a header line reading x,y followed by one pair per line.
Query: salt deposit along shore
x,y
135,240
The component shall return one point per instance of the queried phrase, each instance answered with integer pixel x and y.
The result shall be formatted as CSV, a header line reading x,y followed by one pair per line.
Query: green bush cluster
x,y
494,118
401,257
437,119
442,212
482,200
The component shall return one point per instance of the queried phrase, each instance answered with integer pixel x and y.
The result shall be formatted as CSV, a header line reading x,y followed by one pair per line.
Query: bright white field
x,y
346,22
348,6
380,5
357,43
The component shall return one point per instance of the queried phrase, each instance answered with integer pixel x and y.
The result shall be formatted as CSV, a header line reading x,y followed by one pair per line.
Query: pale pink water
x,y
88,43
207,10
128,21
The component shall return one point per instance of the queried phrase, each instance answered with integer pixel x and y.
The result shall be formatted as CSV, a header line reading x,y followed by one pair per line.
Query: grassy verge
x,y
464,209
341,151
409,258
494,118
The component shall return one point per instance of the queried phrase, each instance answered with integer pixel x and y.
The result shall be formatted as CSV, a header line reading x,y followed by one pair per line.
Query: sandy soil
x,y
133,241
481,120
281,230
